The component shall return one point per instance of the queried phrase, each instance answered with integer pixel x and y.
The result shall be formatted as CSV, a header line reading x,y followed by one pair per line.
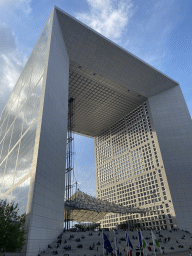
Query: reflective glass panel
x,y
4,128
25,154
7,197
32,106
6,143
19,118
2,171
9,172
20,195
17,128
1,149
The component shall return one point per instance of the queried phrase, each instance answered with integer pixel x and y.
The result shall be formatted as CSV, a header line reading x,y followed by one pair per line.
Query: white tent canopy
x,y
83,207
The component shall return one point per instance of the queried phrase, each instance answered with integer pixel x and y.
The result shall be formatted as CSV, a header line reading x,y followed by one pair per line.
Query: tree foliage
x,y
94,226
80,227
91,227
11,228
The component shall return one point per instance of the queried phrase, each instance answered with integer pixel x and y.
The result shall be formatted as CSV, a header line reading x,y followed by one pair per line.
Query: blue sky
x,y
157,31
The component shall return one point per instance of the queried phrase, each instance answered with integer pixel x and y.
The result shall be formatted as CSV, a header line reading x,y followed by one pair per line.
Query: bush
x,y
11,228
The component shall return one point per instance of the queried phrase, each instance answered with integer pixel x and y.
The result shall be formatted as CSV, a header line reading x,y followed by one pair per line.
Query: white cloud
x,y
142,29
107,17
12,5
149,32
11,60
11,64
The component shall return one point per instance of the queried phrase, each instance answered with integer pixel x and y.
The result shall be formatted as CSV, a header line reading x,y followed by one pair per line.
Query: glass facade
x,y
18,125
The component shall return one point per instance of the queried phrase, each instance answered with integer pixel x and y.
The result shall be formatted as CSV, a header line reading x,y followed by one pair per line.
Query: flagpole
x,y
140,251
153,243
103,243
145,245
126,236
142,239
140,245
128,248
115,244
116,251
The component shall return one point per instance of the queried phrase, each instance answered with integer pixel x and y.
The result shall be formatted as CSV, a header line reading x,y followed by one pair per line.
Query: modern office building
x,y
130,171
137,115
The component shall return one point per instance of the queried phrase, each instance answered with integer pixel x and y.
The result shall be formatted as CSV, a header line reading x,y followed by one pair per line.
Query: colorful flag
x,y
129,244
107,244
128,241
144,242
117,251
140,240
155,242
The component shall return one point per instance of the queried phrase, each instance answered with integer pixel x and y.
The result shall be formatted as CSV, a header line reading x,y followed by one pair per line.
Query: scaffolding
x,y
69,160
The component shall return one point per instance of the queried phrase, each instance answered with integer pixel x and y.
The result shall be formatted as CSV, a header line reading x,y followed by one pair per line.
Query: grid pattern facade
x,y
130,171
18,125
100,93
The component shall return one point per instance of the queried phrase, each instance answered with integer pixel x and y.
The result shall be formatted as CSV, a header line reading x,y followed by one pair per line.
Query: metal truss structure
x,y
85,208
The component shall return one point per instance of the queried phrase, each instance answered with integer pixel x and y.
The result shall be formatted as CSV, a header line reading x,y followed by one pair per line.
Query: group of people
x,y
68,247
94,246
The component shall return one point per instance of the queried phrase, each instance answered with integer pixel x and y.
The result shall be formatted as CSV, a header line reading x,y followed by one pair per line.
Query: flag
x,y
129,244
145,245
107,244
128,241
116,246
144,242
140,240
117,251
155,242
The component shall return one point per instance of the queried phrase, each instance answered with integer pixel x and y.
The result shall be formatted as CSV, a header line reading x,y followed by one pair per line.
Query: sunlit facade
x,y
32,171
130,172
18,127
137,115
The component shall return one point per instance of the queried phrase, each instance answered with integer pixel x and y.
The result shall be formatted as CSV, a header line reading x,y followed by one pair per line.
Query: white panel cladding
x,y
101,56
129,171
47,206
173,126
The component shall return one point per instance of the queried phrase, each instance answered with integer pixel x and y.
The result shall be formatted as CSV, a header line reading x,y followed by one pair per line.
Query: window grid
x,y
127,160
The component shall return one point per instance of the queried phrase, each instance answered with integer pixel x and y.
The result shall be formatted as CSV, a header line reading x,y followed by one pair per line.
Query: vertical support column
x,y
47,196
173,127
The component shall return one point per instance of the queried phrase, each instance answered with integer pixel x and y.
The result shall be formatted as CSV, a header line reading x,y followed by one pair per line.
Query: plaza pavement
x,y
183,238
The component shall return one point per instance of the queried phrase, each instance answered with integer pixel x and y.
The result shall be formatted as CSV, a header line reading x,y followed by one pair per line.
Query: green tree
x,y
11,228
79,226
94,225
